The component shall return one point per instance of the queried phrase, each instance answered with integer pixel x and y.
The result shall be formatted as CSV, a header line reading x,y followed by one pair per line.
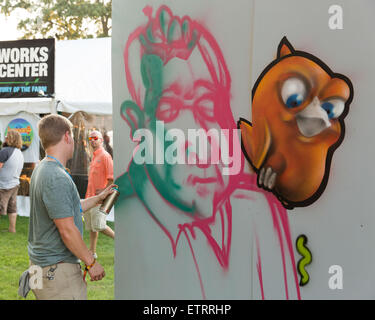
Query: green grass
x,y
14,260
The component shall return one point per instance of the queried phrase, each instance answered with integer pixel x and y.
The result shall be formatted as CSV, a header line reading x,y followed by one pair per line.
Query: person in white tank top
x,y
11,164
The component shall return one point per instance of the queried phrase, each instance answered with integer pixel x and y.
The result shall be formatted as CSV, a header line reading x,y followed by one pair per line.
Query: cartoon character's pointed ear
x,y
284,48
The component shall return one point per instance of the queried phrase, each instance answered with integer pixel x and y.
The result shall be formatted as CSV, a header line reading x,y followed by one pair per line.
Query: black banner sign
x,y
27,68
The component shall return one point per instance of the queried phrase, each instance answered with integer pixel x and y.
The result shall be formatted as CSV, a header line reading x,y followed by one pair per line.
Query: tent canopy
x,y
83,76
82,81
11,106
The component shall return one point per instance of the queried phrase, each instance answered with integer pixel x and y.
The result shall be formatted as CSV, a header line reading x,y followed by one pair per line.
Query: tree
x,y
62,19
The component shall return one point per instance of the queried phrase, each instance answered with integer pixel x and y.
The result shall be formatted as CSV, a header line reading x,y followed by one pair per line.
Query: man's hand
x,y
98,199
72,238
107,191
109,183
96,272
97,191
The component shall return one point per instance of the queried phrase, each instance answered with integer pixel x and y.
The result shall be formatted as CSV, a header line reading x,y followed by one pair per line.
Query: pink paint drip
x,y
210,50
259,265
196,265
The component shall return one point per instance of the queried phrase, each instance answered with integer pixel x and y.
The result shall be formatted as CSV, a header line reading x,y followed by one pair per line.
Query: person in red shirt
x,y
100,176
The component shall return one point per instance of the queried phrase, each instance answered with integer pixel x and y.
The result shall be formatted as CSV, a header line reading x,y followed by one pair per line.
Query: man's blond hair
x,y
52,128
14,139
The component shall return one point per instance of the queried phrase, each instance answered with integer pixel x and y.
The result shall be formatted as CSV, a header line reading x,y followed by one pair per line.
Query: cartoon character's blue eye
x,y
293,92
294,100
333,107
328,107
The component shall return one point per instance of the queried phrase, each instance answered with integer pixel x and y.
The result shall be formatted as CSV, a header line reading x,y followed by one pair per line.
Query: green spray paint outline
x,y
152,77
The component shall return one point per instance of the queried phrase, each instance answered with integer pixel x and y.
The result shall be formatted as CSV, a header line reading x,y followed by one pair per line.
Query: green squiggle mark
x,y
24,82
306,259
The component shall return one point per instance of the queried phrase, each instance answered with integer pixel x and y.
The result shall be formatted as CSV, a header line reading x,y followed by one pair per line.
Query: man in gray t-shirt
x,y
55,242
54,195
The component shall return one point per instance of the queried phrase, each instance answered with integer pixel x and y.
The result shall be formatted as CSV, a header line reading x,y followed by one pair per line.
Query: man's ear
x,y
67,135
285,48
133,115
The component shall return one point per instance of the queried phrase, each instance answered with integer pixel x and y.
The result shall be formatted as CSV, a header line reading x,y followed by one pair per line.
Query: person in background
x,y
107,143
11,164
100,177
55,240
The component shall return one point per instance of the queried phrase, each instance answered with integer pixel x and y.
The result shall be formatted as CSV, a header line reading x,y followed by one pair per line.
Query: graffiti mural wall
x,y
227,137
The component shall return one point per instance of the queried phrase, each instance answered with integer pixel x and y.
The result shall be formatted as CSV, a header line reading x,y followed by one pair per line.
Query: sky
x,y
8,26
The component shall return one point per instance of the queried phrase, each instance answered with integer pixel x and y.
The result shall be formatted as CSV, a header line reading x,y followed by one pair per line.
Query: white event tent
x,y
82,83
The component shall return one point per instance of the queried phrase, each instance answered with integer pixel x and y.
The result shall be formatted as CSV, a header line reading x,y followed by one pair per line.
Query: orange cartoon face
x,y
299,106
